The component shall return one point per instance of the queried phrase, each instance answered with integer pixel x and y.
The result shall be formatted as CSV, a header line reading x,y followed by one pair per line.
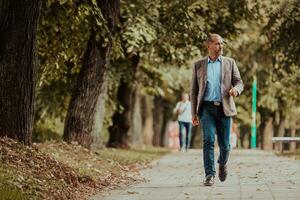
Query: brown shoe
x,y
222,172
209,180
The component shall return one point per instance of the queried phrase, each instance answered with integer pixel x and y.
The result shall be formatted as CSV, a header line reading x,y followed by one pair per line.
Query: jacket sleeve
x,y
194,91
236,80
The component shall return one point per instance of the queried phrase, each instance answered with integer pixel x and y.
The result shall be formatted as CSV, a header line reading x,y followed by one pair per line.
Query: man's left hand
x,y
233,92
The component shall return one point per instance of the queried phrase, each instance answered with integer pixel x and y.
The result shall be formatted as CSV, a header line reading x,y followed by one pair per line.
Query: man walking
x,y
216,80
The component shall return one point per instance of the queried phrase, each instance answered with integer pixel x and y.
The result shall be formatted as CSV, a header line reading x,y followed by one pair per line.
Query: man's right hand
x,y
195,120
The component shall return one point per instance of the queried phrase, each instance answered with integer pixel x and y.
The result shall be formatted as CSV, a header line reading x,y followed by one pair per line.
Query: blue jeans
x,y
188,127
214,121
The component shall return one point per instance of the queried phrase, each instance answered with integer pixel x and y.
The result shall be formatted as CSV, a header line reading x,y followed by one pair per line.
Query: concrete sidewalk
x,y
253,174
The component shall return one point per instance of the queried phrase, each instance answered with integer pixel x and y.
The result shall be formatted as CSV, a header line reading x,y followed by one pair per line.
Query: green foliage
x,y
167,35
283,32
137,32
186,24
283,40
62,36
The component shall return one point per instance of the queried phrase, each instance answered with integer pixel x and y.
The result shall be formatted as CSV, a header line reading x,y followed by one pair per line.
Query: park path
x,y
253,174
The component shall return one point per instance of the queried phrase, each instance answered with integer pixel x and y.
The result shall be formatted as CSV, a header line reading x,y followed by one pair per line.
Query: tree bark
x,y
99,118
81,112
122,119
268,134
281,133
18,25
136,118
158,116
118,132
245,136
147,115
265,117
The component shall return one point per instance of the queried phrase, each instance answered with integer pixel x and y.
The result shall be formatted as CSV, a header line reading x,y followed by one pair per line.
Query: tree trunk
x,y
122,119
293,134
147,115
268,134
166,116
99,118
82,107
118,132
158,116
136,119
18,25
265,117
245,136
281,133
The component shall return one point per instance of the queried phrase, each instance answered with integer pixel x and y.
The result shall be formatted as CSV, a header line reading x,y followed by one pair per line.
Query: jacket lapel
x,y
205,73
223,69
205,69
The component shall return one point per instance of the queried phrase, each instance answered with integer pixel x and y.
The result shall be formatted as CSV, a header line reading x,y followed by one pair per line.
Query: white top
x,y
184,109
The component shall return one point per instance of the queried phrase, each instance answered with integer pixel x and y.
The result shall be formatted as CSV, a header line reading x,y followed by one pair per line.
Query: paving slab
x,y
253,174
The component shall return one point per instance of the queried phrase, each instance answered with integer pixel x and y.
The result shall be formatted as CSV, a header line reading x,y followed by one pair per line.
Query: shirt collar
x,y
210,61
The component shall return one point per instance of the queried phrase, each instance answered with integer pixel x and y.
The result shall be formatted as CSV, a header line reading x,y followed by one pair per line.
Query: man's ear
x,y
207,45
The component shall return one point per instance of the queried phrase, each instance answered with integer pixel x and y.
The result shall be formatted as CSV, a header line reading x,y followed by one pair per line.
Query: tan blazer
x,y
230,78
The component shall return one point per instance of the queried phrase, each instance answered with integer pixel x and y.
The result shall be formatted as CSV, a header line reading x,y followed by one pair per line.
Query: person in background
x,y
183,111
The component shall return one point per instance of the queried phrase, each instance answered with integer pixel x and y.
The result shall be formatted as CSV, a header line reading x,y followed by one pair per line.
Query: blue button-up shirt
x,y
213,84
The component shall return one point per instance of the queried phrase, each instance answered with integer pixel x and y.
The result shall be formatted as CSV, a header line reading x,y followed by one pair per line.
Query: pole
x,y
253,124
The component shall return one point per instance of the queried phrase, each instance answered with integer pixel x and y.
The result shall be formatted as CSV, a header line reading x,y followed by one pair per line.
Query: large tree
x,y
18,25
82,107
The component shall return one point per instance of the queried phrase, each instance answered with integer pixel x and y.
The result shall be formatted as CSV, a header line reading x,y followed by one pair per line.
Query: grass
x,y
132,156
9,187
10,193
